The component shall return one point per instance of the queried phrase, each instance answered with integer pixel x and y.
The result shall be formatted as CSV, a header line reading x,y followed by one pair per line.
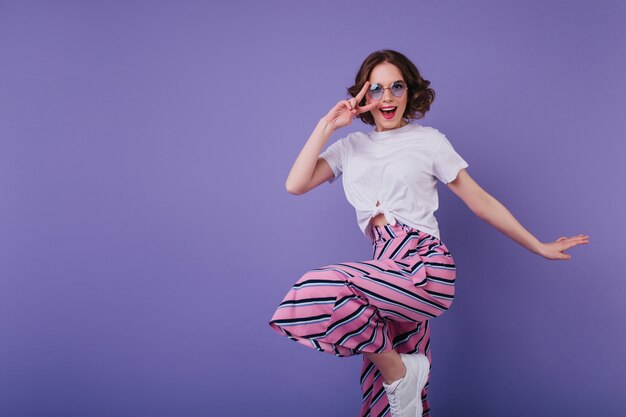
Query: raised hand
x,y
554,250
343,112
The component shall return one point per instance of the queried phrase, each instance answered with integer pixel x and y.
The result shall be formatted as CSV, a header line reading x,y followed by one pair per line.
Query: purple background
x,y
146,236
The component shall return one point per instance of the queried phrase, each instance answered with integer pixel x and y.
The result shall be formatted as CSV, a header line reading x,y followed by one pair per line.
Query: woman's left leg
x,y
408,339
373,307
389,364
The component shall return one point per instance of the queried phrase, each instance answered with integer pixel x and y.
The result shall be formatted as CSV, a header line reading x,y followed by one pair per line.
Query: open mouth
x,y
388,112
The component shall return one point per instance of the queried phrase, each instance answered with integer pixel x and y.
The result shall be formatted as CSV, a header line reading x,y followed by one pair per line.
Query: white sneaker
x,y
405,395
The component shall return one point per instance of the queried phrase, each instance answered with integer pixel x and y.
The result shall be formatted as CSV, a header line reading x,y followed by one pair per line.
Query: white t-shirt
x,y
395,172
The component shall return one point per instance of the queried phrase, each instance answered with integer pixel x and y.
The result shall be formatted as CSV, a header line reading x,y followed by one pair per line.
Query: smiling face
x,y
388,114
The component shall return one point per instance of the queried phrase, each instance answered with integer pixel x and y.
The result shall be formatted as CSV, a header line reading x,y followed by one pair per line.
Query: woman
x,y
381,308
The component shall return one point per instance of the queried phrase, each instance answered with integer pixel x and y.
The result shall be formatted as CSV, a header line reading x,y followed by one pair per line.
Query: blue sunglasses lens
x,y
398,88
376,90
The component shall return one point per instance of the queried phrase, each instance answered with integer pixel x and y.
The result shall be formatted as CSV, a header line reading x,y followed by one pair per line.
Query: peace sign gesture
x,y
343,112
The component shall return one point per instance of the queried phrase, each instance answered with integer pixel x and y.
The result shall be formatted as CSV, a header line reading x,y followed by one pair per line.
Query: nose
x,y
387,96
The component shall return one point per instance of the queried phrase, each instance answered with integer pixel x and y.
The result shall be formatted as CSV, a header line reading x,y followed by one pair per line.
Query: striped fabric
x,y
373,306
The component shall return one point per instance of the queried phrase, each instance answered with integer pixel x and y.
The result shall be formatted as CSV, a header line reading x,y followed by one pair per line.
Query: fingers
x,y
579,239
559,246
340,115
361,94
340,106
353,104
566,243
367,108
573,241
344,105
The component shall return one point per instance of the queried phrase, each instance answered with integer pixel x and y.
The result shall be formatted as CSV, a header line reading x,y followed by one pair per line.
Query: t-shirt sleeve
x,y
334,156
447,162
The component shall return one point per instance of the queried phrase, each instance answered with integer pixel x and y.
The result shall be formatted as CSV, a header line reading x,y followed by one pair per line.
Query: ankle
x,y
394,374
389,364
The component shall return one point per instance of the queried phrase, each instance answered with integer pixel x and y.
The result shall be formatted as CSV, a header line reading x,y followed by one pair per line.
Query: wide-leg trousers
x,y
373,306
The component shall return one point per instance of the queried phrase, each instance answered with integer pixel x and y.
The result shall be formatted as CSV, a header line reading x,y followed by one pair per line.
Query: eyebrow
x,y
392,83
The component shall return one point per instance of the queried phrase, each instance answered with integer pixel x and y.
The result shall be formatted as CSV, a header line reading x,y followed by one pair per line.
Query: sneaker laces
x,y
394,402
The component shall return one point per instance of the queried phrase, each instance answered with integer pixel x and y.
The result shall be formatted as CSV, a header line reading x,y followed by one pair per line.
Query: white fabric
x,y
395,172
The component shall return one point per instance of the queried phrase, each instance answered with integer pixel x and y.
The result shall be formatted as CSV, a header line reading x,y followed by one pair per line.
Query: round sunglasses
x,y
376,90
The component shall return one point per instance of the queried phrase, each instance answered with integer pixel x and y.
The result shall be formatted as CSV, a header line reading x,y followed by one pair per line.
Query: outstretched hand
x,y
343,112
554,250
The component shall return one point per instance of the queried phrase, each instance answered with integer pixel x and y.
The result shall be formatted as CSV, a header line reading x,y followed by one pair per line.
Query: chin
x,y
389,124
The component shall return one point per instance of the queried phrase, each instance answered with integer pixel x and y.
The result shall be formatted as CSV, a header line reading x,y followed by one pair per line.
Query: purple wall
x,y
146,236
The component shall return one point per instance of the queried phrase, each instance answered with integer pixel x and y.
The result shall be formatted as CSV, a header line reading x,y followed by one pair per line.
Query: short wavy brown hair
x,y
420,96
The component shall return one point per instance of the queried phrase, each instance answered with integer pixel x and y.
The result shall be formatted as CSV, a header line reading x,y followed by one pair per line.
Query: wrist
x,y
326,126
539,248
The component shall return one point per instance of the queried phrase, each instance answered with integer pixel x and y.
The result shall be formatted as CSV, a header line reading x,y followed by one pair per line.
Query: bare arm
x,y
494,213
309,170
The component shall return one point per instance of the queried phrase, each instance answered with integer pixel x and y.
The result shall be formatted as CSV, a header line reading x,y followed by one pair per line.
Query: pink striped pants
x,y
373,306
